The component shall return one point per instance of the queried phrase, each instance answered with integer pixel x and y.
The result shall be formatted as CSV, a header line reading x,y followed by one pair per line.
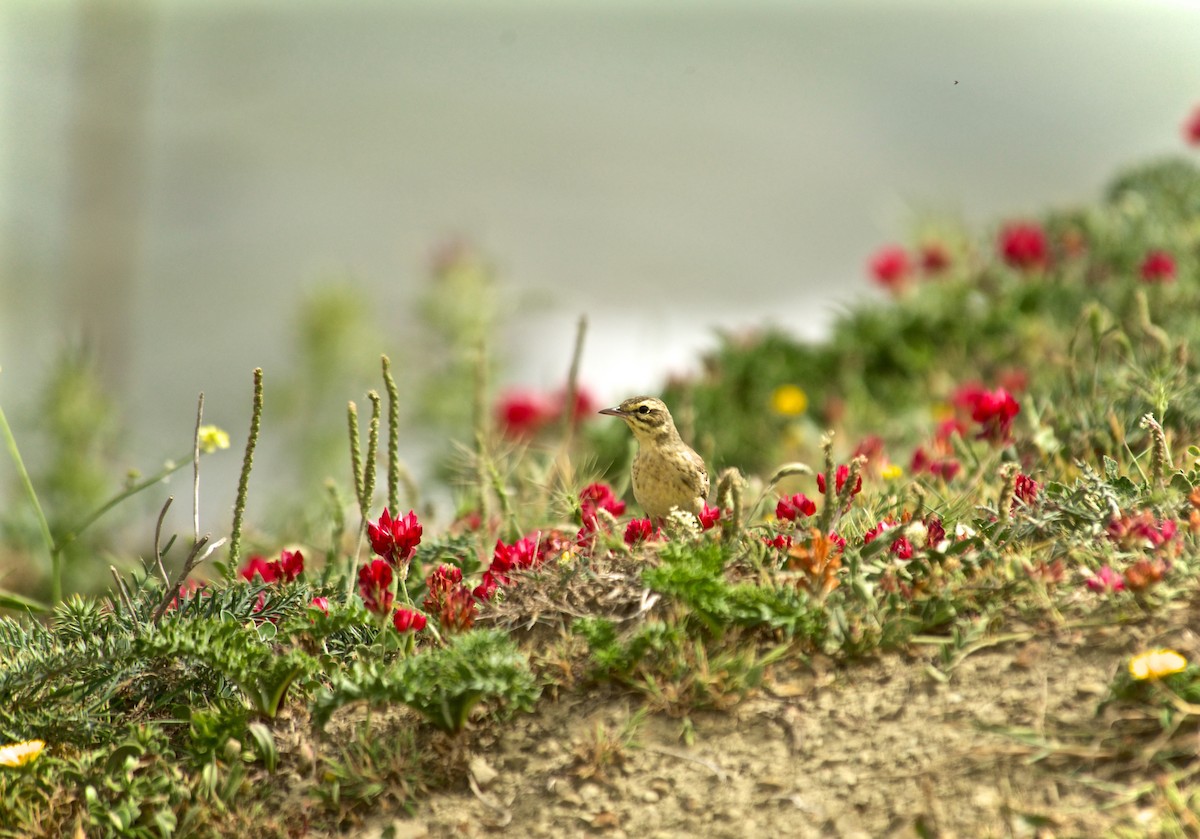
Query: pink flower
x,y
641,530
1141,531
1191,128
1106,580
709,516
934,258
889,267
1158,267
407,620
396,539
789,509
842,475
522,413
320,603
375,586
1023,246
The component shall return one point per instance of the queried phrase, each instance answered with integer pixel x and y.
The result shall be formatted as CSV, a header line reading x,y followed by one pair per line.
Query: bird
x,y
667,473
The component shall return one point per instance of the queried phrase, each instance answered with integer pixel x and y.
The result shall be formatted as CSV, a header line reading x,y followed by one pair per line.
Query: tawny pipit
x,y
666,472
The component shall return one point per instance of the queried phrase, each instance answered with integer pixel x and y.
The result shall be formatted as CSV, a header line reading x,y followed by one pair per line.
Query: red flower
x,y
1191,128
709,516
593,498
258,565
935,532
291,565
875,531
902,548
940,467
440,581
1158,267
321,603
396,539
994,410
287,568
585,405
522,413
934,258
375,586
781,542
641,530
1023,246
486,588
890,268
843,473
1025,489
789,509
407,620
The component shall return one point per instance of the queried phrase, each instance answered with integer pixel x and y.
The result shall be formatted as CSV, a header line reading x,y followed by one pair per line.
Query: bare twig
x,y
158,557
196,469
123,594
194,558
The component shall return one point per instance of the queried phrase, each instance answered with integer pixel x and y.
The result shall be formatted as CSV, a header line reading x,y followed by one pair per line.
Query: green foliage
x,y
442,684
695,576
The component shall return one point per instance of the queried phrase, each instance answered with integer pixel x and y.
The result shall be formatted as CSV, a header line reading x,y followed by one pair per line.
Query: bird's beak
x,y
612,412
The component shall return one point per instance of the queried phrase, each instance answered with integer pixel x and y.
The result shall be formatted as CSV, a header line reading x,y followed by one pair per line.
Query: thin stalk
x,y
239,507
393,473
43,525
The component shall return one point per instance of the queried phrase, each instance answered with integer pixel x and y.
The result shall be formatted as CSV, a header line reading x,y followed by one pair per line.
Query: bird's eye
x,y
643,409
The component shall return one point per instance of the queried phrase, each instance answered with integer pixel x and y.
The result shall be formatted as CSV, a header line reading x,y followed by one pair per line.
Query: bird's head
x,y
646,416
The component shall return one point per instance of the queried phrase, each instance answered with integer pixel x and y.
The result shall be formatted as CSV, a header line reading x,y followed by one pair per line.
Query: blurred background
x,y
189,190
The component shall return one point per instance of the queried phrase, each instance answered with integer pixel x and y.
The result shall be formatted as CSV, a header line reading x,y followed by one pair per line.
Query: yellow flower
x,y
1156,663
789,400
891,472
213,438
18,754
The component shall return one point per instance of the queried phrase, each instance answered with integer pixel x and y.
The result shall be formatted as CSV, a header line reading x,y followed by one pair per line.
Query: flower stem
x,y
43,525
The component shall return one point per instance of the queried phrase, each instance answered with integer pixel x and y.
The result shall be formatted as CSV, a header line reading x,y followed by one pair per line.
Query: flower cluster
x,y
892,267
527,552
523,413
938,459
592,499
286,569
641,530
449,599
395,540
791,508
1141,531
